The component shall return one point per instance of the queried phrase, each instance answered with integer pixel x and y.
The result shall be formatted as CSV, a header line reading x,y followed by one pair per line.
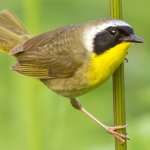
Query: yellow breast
x,y
103,65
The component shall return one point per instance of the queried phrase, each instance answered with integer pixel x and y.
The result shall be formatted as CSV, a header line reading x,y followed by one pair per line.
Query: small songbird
x,y
71,60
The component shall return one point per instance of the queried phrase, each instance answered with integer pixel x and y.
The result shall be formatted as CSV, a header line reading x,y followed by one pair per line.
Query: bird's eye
x,y
112,31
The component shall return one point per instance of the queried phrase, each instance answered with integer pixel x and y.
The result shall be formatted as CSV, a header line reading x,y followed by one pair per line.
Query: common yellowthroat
x,y
71,60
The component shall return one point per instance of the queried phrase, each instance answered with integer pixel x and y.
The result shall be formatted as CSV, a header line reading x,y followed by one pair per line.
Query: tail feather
x,y
12,31
8,39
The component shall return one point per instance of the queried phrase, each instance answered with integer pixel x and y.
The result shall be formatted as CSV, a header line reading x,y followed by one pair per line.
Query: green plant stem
x,y
118,83
35,137
32,15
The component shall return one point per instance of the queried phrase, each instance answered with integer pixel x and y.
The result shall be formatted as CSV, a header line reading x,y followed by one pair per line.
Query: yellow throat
x,y
103,65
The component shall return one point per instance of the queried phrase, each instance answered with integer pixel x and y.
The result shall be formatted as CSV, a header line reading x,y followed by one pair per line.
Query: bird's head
x,y
101,35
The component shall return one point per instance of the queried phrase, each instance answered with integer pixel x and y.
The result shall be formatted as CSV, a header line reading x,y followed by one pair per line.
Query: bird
x,y
70,60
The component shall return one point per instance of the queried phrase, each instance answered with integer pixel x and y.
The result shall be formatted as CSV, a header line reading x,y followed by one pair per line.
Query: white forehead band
x,y
90,33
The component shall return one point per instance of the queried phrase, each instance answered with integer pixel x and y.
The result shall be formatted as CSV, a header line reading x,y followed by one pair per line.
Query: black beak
x,y
131,38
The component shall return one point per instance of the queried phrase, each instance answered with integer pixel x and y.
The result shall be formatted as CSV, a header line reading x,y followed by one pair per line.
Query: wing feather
x,y
57,53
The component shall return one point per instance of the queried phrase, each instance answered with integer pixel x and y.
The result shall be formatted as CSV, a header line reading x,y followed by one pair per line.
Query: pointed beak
x,y
132,38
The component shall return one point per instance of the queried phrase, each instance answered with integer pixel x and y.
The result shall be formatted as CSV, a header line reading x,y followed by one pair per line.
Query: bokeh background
x,y
34,118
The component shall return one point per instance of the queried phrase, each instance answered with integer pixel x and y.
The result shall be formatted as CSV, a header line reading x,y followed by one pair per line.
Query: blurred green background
x,y
34,118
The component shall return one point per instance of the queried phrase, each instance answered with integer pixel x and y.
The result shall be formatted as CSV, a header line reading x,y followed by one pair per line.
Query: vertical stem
x,y
32,14
35,121
118,83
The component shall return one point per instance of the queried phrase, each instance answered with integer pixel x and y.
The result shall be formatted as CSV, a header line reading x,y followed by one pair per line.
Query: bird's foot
x,y
116,134
112,130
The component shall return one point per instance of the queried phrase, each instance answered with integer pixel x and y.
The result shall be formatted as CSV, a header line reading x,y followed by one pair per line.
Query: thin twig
x,y
118,83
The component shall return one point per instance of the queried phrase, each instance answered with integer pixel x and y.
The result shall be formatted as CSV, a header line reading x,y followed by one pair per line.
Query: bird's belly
x,y
81,83
68,87
77,85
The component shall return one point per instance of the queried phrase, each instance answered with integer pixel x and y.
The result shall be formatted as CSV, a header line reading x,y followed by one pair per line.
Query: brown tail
x,y
12,31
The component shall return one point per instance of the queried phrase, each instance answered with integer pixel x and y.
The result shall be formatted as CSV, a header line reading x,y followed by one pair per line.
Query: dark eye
x,y
112,31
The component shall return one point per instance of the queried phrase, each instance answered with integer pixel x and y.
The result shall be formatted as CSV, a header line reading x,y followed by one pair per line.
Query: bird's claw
x,y
116,134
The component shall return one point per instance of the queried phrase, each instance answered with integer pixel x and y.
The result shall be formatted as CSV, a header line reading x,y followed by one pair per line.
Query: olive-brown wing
x,y
50,55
